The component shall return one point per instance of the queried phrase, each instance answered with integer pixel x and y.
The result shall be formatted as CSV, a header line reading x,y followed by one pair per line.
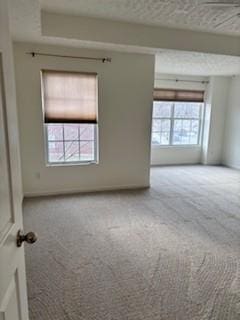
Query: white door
x,y
13,294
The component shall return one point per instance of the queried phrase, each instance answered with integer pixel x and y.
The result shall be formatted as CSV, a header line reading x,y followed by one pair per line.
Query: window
x,y
176,122
70,142
70,116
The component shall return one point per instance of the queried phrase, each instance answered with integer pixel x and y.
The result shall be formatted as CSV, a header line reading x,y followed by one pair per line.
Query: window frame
x,y
45,129
70,163
172,118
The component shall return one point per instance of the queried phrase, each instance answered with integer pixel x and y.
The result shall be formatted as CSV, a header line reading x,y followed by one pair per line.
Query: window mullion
x,y
46,135
160,128
95,142
200,122
171,123
64,155
79,148
190,132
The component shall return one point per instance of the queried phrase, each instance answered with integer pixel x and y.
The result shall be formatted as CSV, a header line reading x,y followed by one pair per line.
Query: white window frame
x,y
45,135
70,163
172,118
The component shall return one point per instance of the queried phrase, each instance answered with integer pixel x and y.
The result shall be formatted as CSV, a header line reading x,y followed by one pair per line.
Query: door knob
x,y
30,238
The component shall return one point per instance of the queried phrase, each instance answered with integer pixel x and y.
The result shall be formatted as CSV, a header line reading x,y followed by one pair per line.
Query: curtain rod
x,y
179,80
34,54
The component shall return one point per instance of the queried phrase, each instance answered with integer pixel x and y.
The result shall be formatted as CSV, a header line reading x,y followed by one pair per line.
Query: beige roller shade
x,y
69,97
178,95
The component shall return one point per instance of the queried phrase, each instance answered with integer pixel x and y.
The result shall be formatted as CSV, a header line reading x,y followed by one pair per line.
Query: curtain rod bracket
x,y
106,60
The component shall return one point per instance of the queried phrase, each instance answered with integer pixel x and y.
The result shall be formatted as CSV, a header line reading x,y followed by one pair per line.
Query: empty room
x,y
119,160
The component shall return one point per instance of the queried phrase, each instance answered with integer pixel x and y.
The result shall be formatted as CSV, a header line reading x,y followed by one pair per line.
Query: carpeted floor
x,y
168,253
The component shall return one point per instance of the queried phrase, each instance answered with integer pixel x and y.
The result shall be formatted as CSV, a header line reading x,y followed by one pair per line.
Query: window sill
x,y
183,146
70,164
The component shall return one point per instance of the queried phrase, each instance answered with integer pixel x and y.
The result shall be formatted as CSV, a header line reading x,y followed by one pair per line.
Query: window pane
x,y
71,151
177,125
194,132
161,131
86,151
181,137
185,131
177,138
165,138
156,138
193,138
71,131
195,125
55,132
161,109
181,131
196,110
186,138
87,131
187,110
186,125
165,125
156,125
55,152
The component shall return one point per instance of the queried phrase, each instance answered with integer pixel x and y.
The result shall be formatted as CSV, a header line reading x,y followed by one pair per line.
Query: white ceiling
x,y
195,63
187,14
25,19
25,24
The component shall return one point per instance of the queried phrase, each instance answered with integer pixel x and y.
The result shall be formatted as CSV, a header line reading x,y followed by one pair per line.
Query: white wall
x,y
175,155
170,155
125,102
231,151
98,31
216,110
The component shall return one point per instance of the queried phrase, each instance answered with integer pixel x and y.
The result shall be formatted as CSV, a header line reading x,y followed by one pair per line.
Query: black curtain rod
x,y
179,80
34,54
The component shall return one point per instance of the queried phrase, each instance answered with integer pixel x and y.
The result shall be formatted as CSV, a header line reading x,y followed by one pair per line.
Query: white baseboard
x,y
79,191
232,166
176,165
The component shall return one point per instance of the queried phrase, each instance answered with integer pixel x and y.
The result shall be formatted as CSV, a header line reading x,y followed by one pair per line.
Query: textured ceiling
x,y
193,63
25,23
25,19
187,14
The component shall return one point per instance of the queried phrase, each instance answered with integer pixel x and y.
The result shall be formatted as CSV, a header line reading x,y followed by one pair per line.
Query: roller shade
x,y
69,97
178,95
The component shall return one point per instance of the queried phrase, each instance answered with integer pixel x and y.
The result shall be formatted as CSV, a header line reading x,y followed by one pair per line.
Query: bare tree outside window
x,y
176,123
71,142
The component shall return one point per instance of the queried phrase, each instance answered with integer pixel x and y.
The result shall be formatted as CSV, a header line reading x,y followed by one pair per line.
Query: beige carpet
x,y
168,253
